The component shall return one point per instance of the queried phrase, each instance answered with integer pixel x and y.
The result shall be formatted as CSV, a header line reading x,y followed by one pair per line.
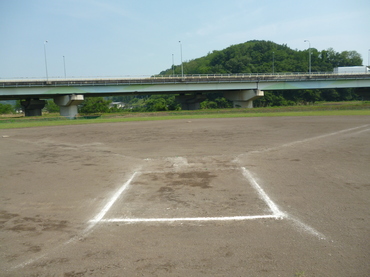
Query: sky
x,y
113,38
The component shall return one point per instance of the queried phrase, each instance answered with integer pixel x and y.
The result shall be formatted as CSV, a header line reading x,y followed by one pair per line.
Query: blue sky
x,y
138,37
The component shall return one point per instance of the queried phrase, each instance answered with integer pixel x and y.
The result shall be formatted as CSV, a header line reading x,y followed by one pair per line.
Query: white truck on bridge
x,y
351,69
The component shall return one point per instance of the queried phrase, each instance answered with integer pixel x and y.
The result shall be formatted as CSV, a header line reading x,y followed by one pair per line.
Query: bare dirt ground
x,y
287,196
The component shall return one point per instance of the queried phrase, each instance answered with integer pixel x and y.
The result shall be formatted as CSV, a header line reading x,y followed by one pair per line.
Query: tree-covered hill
x,y
266,57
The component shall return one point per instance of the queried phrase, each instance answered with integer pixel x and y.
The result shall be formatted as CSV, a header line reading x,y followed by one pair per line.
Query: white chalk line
x,y
262,193
110,203
305,140
325,136
305,227
191,169
297,222
276,213
360,132
30,261
88,229
176,219
276,210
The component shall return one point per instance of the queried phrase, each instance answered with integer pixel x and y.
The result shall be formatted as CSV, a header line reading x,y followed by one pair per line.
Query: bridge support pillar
x,y
68,104
190,102
243,98
33,107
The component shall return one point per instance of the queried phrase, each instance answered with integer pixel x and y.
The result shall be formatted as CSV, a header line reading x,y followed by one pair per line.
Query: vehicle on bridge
x,y
351,69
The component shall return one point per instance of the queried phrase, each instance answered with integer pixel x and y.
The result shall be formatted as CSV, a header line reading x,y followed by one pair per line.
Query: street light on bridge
x,y
64,62
182,66
173,66
309,55
46,62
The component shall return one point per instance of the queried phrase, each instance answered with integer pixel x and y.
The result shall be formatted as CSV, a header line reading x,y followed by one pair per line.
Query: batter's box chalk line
x,y
276,213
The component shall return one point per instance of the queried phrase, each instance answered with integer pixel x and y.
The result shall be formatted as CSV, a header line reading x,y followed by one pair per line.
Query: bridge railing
x,y
170,79
177,76
174,76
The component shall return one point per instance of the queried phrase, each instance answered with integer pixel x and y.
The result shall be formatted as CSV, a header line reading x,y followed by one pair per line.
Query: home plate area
x,y
206,189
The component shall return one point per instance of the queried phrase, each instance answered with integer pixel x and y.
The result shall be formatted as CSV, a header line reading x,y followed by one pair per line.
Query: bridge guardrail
x,y
192,78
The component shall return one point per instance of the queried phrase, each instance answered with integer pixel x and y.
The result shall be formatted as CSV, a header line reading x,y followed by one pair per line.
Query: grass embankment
x,y
321,109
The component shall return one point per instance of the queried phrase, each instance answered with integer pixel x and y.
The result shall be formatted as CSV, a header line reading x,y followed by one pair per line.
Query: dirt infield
x,y
285,196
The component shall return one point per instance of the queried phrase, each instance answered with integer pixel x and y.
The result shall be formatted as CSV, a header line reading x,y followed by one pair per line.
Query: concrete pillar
x,y
243,98
68,104
243,104
33,107
190,102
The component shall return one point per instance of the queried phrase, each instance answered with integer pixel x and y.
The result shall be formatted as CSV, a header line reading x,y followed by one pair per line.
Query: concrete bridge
x,y
242,89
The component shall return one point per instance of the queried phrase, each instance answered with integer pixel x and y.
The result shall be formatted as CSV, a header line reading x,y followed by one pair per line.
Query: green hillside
x,y
265,57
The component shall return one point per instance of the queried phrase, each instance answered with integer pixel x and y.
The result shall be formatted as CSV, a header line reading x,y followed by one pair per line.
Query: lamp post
x,y
173,66
368,58
46,62
182,66
273,62
309,55
64,62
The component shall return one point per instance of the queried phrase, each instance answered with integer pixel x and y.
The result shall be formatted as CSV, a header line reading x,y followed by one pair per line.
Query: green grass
x,y
342,109
300,274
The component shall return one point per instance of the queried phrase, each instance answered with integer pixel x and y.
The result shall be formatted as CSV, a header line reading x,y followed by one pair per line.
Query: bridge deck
x,y
198,78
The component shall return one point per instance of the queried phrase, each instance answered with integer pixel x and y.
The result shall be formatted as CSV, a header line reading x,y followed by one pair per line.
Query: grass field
x,y
322,109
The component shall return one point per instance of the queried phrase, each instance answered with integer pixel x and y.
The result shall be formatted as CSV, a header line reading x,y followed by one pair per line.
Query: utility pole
x,y
64,62
309,55
173,66
182,66
46,62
